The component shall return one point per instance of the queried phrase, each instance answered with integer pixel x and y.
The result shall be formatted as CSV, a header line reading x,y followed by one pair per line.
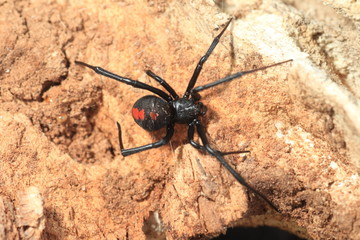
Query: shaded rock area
x,y
62,175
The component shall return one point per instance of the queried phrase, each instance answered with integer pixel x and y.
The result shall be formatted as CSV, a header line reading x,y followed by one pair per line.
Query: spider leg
x,y
196,145
162,83
216,154
203,60
232,77
128,81
163,141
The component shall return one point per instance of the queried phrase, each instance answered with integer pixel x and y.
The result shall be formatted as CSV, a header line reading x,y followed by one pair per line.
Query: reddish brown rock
x,y
299,120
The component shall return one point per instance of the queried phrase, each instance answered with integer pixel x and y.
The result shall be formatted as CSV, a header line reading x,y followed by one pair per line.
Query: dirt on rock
x,y
62,174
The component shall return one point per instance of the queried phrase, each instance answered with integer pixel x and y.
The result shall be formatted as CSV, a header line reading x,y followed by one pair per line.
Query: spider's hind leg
x,y
162,83
161,142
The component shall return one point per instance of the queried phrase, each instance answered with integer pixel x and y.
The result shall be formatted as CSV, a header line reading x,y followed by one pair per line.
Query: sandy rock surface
x,y
62,175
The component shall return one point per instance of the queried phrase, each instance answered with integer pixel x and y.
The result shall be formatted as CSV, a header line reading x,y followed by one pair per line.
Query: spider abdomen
x,y
152,113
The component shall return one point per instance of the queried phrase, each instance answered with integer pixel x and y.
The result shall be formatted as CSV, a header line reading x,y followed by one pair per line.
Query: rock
x,y
299,119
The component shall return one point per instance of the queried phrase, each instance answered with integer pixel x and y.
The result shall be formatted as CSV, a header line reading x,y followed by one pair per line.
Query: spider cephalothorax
x,y
166,109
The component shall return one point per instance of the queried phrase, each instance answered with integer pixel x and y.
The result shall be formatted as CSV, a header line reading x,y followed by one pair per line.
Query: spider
x,y
164,110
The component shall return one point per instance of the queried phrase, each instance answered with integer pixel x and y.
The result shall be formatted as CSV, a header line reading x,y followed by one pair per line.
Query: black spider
x,y
155,112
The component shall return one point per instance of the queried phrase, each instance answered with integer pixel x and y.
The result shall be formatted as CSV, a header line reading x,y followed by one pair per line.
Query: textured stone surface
x,y
299,120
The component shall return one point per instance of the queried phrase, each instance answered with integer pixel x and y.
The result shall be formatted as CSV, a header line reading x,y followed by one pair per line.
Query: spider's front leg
x,y
217,154
163,141
196,145
202,60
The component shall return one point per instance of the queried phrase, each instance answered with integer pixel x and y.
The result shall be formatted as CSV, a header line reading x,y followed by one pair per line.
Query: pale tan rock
x,y
30,219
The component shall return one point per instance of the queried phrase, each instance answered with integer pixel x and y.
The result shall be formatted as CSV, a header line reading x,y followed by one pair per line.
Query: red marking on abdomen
x,y
153,115
138,114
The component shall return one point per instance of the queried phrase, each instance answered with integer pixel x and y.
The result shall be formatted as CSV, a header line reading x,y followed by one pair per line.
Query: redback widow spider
x,y
166,109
